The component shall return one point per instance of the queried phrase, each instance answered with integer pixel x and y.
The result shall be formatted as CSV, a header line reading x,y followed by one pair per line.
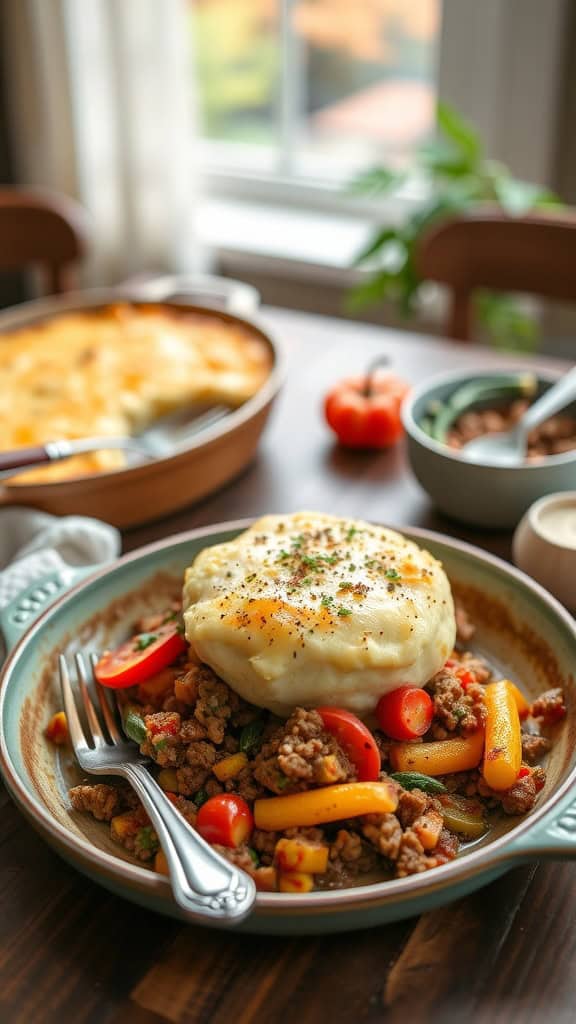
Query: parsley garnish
x,y
392,574
351,532
144,640
342,611
326,600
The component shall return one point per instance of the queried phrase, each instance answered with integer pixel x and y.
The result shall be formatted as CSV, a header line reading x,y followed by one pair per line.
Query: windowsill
x,y
288,240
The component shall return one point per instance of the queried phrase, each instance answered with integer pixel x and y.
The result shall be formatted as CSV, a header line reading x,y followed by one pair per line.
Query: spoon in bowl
x,y
508,448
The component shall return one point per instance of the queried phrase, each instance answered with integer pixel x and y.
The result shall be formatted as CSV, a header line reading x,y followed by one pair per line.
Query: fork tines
x,y
97,735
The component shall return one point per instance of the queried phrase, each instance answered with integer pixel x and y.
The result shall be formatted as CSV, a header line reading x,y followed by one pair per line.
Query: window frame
x,y
508,82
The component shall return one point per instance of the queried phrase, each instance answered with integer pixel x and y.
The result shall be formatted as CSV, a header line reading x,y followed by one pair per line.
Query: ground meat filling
x,y
301,753
549,707
193,723
101,801
456,708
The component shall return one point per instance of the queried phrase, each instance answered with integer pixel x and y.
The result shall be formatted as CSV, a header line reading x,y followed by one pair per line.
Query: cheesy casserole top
x,y
113,371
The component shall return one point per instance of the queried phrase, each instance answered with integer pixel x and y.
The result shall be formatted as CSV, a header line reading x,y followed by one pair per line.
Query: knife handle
x,y
21,457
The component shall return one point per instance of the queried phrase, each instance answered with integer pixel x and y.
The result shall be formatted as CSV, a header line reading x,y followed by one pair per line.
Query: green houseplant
x,y
460,177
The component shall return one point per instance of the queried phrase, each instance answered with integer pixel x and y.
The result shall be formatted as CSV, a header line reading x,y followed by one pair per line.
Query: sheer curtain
x,y
102,101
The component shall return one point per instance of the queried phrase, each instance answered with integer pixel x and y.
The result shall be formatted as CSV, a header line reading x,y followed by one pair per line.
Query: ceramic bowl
x,y
545,555
481,495
521,629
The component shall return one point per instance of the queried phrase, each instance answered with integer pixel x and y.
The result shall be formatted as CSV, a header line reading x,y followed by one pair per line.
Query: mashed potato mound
x,y
309,609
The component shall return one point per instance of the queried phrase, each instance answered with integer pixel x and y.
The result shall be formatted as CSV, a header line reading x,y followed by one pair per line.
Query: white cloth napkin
x,y
33,544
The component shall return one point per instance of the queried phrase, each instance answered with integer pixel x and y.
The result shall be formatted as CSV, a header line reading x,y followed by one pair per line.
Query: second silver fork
x,y
204,884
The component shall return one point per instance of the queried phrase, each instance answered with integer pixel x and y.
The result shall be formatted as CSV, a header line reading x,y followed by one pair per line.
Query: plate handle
x,y
553,836
17,616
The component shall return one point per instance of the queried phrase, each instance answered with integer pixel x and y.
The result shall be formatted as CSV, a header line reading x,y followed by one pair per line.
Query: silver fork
x,y
203,883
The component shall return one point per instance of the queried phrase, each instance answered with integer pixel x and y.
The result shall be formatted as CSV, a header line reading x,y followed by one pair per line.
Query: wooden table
x,y
69,951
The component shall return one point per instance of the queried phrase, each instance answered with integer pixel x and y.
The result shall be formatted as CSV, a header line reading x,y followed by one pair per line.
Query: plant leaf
x,y
442,159
461,133
508,326
380,286
377,181
518,197
376,243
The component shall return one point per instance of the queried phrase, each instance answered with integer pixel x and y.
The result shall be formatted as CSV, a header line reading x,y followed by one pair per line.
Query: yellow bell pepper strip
x,y
463,817
503,747
521,702
441,757
301,855
230,767
295,881
330,803
57,729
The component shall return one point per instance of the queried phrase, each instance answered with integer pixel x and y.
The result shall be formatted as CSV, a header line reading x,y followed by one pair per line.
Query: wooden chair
x,y
42,229
534,254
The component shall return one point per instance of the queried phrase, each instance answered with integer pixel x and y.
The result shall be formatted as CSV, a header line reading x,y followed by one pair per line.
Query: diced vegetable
x,y
462,816
295,881
230,766
160,863
428,828
327,772
331,803
405,713
266,879
168,780
355,739
127,824
185,690
415,780
503,748
301,855
251,737
440,757
200,797
156,686
134,725
57,729
141,657
225,819
522,704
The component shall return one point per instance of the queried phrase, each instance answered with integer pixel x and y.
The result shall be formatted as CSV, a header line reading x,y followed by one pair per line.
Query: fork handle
x,y
34,456
203,882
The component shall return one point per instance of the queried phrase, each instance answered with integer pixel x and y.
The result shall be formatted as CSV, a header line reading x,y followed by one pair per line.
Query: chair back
x,y
42,229
534,254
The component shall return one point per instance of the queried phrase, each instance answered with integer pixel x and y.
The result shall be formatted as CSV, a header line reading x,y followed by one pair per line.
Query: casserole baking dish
x,y
523,631
151,489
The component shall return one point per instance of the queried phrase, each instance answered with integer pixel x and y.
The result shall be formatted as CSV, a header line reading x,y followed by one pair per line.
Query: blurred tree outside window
x,y
315,89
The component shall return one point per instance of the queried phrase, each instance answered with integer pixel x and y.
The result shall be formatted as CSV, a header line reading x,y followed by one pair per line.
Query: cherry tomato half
x,y
356,739
141,657
364,412
225,819
405,713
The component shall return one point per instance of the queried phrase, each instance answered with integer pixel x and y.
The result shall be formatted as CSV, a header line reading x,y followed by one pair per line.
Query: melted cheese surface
x,y
113,371
308,609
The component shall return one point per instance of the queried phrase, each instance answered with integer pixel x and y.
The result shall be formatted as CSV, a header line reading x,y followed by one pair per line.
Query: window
x,y
309,91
